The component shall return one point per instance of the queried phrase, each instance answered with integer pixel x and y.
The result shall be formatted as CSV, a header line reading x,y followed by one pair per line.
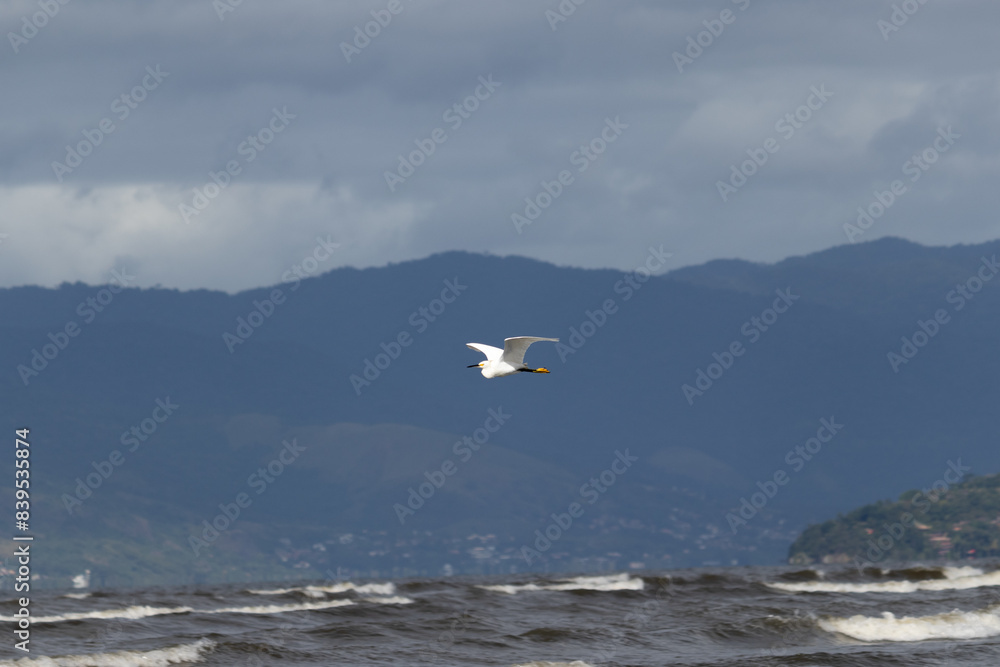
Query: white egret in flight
x,y
510,359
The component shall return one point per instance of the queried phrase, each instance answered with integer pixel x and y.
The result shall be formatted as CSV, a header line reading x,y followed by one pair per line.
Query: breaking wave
x,y
162,657
341,587
133,613
145,611
887,628
277,608
391,599
955,579
614,582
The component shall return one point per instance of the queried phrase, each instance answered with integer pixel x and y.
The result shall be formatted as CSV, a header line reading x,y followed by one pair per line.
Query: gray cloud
x,y
324,173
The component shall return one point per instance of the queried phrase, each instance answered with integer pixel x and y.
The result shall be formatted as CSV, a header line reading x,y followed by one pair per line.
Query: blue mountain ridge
x,y
617,384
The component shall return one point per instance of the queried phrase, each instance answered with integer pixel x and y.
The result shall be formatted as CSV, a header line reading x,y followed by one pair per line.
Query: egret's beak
x,y
540,370
479,365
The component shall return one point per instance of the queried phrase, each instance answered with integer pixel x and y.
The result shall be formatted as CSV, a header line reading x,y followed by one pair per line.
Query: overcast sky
x,y
311,117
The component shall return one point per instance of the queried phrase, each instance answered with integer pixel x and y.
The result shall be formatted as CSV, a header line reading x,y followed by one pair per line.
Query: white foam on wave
x,y
546,663
960,572
162,657
77,596
959,578
511,589
387,588
127,612
612,582
391,599
887,628
277,608
143,611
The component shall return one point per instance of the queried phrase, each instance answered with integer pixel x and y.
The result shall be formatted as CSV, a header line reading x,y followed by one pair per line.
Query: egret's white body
x,y
510,359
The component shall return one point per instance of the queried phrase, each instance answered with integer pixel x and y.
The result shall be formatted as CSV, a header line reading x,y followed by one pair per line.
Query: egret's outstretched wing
x,y
514,348
492,353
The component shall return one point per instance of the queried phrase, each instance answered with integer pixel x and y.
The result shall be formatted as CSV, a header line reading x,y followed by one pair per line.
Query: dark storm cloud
x,y
658,182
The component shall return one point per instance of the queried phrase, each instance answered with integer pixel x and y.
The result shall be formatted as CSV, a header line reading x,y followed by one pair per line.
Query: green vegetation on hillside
x,y
962,521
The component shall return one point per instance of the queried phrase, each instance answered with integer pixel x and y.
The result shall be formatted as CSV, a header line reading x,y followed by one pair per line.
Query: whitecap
x,y
391,599
277,608
957,579
960,572
143,611
951,625
161,657
386,588
510,589
127,612
612,582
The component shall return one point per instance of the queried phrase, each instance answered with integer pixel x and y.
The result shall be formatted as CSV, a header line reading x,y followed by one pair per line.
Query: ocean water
x,y
733,617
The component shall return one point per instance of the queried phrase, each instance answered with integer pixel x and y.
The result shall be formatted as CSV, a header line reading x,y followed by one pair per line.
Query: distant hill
x,y
940,522
643,366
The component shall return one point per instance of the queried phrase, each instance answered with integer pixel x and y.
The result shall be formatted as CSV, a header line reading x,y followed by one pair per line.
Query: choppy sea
x,y
733,617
